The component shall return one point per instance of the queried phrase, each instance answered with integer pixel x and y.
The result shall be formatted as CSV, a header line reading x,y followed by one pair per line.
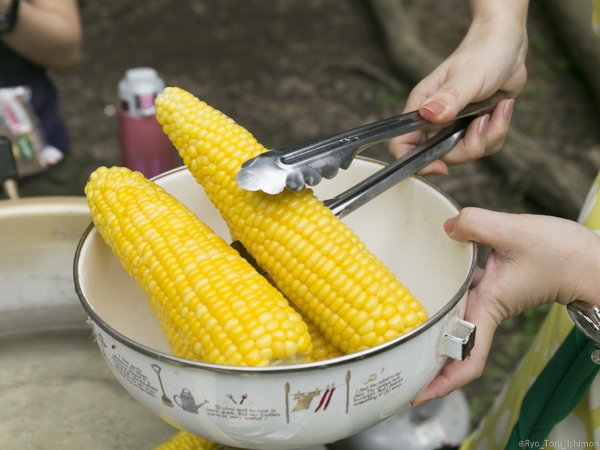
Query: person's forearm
x,y
501,27
47,33
500,11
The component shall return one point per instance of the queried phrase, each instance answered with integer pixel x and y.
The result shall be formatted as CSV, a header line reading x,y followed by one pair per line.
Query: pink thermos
x,y
144,145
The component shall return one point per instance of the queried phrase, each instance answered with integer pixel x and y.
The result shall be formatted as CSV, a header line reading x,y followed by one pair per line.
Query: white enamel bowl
x,y
303,405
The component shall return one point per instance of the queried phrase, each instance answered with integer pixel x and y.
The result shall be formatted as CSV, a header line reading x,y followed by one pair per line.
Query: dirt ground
x,y
285,70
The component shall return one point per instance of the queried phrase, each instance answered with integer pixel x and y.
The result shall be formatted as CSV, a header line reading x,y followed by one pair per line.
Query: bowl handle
x,y
459,340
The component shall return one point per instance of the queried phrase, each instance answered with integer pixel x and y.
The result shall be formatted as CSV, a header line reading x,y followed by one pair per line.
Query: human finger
x,y
401,145
473,145
458,90
477,276
489,228
484,136
498,126
459,373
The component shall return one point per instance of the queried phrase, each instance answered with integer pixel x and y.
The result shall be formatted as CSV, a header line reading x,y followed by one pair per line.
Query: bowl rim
x,y
282,369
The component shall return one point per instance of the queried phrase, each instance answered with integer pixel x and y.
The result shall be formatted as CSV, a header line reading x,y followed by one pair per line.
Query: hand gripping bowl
x,y
288,407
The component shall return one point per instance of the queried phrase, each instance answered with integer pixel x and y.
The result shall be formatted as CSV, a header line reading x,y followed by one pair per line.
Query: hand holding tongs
x,y
311,161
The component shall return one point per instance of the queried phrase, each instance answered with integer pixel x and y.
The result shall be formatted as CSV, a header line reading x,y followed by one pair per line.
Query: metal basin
x,y
304,405
56,391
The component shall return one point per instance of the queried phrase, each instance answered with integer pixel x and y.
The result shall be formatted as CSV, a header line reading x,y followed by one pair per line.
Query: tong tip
x,y
256,174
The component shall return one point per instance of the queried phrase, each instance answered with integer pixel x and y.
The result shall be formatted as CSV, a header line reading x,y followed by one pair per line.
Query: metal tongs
x,y
311,161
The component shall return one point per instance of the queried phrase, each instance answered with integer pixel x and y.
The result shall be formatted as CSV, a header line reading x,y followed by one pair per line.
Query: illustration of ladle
x,y
166,400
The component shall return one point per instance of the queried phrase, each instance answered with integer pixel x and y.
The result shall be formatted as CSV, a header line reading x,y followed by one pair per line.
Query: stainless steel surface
x,y
432,149
311,161
56,391
460,341
37,244
587,318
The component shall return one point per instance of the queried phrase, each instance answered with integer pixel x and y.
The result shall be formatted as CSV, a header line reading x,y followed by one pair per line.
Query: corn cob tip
x,y
186,441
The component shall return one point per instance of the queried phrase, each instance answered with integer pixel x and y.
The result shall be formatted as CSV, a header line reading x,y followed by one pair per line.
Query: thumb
x,y
448,100
489,228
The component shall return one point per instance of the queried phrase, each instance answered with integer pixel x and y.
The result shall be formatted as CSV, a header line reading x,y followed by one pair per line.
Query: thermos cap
x,y
138,89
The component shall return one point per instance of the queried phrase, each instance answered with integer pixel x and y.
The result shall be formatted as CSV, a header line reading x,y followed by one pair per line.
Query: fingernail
x,y
435,106
415,405
482,126
508,109
449,225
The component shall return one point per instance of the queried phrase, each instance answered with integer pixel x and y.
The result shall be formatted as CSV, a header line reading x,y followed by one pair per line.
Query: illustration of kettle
x,y
187,402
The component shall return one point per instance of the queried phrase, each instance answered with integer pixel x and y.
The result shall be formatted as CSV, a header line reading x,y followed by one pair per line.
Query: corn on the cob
x,y
316,261
212,305
186,441
322,349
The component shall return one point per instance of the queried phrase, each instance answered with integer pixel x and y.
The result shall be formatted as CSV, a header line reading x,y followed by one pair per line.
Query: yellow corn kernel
x,y
321,348
186,441
200,289
317,255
